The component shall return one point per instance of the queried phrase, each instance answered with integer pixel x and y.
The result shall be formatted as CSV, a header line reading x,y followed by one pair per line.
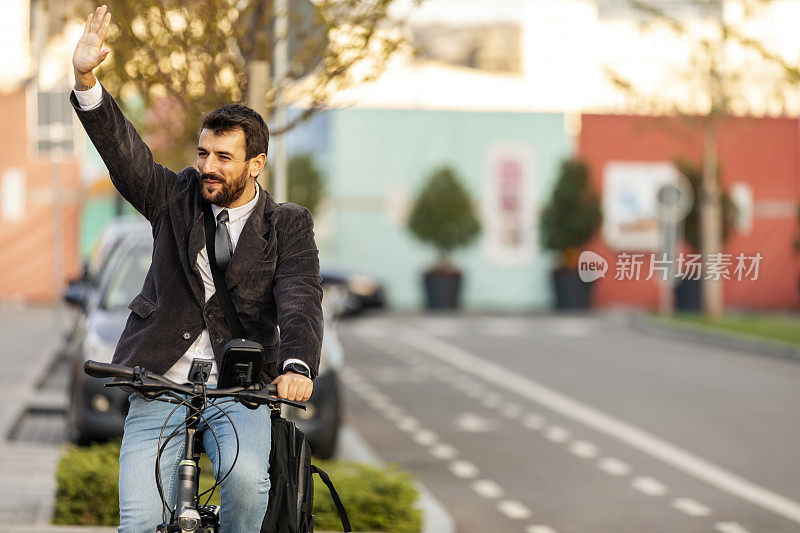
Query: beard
x,y
226,191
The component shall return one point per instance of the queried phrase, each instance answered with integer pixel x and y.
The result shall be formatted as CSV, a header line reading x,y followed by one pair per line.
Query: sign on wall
x,y
509,221
630,207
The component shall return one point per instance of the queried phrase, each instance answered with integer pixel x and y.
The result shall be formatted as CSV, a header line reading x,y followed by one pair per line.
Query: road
x,y
548,424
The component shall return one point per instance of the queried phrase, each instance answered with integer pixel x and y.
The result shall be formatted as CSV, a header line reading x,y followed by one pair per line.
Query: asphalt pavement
x,y
556,424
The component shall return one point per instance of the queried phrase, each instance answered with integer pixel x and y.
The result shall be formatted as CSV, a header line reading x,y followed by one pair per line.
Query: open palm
x,y
89,51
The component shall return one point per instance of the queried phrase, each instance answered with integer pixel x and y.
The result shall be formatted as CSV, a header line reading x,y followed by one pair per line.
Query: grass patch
x,y
769,328
376,498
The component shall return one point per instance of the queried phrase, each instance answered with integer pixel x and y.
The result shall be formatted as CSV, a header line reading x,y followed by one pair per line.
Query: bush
x,y
573,214
443,214
376,499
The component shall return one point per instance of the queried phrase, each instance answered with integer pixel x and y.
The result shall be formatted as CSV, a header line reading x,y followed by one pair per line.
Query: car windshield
x,y
127,278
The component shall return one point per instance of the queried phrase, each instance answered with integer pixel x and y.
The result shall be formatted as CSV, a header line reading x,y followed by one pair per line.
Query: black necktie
x,y
223,249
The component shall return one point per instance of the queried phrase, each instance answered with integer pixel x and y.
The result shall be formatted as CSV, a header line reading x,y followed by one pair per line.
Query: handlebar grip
x,y
107,370
271,389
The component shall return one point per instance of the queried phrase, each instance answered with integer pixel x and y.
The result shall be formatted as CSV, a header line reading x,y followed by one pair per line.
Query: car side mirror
x,y
77,294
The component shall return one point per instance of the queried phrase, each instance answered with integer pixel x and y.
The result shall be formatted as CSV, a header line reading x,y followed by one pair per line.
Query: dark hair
x,y
229,117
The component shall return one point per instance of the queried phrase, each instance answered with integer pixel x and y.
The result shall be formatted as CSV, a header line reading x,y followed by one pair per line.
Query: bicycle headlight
x,y
189,519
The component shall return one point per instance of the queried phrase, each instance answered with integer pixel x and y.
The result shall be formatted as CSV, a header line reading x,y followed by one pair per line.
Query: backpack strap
x,y
336,501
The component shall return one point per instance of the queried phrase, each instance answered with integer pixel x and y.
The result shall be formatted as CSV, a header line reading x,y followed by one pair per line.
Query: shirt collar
x,y
235,213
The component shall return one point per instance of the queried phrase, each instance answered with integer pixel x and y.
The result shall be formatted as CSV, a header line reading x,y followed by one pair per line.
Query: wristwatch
x,y
297,368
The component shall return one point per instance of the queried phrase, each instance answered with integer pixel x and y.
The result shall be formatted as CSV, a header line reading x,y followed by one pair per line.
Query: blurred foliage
x,y
573,215
376,498
305,182
86,485
691,224
443,214
179,59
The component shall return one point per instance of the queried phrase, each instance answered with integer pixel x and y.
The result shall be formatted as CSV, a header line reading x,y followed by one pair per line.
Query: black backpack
x,y
291,492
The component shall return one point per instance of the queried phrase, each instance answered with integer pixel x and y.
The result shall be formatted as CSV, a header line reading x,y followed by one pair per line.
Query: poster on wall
x,y
630,210
509,221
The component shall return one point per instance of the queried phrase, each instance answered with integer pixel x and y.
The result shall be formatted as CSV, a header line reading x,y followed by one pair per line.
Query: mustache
x,y
211,177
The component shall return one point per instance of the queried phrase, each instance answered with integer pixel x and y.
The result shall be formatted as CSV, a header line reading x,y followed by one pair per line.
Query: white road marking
x,y
473,423
475,393
511,410
729,527
572,327
627,433
613,466
650,486
407,424
393,413
425,437
533,421
691,507
556,434
540,529
464,469
504,327
583,449
513,509
445,452
488,489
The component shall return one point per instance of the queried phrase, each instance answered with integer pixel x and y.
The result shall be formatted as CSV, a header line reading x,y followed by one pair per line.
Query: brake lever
x,y
119,384
276,399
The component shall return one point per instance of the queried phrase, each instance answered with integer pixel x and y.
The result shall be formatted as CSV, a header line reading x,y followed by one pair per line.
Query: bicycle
x,y
189,515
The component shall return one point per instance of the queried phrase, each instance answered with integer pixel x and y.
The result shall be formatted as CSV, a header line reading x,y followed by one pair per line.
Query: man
x,y
272,273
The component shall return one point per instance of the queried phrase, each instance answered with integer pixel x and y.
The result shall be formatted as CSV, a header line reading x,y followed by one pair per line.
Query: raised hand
x,y
89,51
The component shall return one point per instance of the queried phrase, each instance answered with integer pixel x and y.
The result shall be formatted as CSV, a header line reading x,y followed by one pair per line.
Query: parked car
x,y
351,292
98,413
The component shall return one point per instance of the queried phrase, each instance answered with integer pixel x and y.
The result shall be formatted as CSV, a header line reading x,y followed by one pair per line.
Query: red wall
x,y
764,153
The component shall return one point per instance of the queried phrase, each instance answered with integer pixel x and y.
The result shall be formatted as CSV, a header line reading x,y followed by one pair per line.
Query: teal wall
x,y
372,153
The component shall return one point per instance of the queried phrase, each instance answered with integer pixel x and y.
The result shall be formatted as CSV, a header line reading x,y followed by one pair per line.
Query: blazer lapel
x,y
253,240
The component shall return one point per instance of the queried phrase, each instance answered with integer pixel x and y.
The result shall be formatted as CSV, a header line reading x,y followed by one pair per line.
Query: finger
x,y
88,26
104,28
307,393
283,389
98,18
293,390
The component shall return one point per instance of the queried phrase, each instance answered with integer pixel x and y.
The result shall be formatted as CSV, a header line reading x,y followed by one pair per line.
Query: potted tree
x,y
688,291
568,221
443,215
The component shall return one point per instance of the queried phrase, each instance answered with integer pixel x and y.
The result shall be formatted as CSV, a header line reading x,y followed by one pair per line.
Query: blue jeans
x,y
244,492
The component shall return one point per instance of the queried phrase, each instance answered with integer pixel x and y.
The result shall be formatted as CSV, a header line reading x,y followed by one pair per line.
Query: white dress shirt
x,y
201,347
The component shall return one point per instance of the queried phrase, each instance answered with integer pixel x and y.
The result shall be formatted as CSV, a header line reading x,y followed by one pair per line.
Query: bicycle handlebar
x,y
144,381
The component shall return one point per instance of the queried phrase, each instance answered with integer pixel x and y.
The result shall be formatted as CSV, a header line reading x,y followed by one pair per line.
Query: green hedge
x,y
376,498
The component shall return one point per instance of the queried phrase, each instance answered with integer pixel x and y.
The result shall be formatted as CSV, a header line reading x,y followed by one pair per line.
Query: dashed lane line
x,y
514,510
729,527
649,486
625,432
488,489
556,434
614,466
534,421
425,437
583,449
691,507
539,528
464,469
444,452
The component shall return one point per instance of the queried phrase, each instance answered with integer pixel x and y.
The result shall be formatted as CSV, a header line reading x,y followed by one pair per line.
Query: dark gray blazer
x,y
273,276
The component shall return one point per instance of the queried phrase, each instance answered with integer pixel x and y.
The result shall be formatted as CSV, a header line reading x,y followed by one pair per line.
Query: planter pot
x,y
689,295
571,292
442,290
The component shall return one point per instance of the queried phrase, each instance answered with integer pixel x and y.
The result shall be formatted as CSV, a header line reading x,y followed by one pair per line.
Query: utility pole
x,y
281,73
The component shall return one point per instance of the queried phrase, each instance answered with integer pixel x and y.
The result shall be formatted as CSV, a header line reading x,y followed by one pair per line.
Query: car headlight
x,y
97,349
362,285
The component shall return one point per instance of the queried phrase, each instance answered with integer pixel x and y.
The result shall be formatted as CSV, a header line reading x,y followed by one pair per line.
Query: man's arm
x,y
297,290
140,180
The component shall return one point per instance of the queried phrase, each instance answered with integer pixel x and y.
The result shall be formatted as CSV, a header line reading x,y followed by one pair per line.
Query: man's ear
x,y
257,164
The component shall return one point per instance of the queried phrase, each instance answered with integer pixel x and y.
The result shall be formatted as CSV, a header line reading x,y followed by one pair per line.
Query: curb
x,y
435,518
730,341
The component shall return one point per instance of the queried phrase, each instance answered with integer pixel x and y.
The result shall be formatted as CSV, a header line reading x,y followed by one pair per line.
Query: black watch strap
x,y
297,368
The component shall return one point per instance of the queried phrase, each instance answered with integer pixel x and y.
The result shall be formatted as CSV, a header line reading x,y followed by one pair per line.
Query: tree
x,y
443,215
179,59
717,92
305,182
573,214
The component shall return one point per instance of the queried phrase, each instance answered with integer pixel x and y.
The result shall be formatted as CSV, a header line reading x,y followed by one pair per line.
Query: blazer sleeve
x,y
297,289
139,179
